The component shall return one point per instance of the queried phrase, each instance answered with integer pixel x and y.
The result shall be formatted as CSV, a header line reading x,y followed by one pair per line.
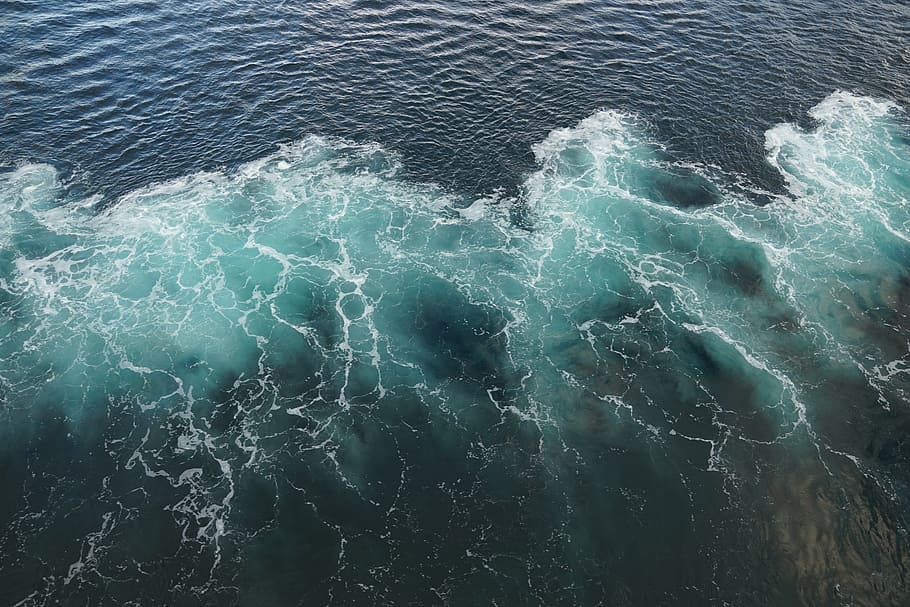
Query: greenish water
x,y
311,380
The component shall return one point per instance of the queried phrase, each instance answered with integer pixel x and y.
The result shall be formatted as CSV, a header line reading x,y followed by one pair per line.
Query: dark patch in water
x,y
255,503
607,307
464,340
681,188
520,215
728,380
743,266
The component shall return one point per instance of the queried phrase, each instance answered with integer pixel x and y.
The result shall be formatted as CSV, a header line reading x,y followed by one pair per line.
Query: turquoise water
x,y
312,379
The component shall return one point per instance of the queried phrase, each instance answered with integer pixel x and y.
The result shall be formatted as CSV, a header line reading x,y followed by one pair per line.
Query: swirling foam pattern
x,y
310,380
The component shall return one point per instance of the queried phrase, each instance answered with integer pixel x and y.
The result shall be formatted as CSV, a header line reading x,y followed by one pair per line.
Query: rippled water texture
x,y
441,348
124,93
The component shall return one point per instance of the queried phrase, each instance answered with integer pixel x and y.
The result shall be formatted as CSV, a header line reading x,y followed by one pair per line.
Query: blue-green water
x,y
308,380
595,303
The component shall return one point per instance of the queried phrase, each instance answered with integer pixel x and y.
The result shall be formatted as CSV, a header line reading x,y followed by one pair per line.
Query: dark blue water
x,y
123,94
569,303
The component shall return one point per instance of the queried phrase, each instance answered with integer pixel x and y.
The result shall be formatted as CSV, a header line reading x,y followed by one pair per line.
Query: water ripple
x,y
460,91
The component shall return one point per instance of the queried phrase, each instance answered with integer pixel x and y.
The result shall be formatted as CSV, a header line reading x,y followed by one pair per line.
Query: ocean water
x,y
351,303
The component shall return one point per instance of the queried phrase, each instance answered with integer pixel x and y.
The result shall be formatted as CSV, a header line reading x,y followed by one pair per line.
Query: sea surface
x,y
467,303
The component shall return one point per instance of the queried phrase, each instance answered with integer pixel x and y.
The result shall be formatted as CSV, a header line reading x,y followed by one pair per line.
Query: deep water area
x,y
261,351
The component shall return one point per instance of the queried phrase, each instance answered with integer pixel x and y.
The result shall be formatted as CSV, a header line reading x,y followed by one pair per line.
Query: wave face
x,y
310,380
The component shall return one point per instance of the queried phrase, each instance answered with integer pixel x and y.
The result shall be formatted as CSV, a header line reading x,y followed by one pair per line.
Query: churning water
x,y
574,304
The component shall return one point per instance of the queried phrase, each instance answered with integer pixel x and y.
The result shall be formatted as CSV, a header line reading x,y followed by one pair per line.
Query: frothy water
x,y
312,380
